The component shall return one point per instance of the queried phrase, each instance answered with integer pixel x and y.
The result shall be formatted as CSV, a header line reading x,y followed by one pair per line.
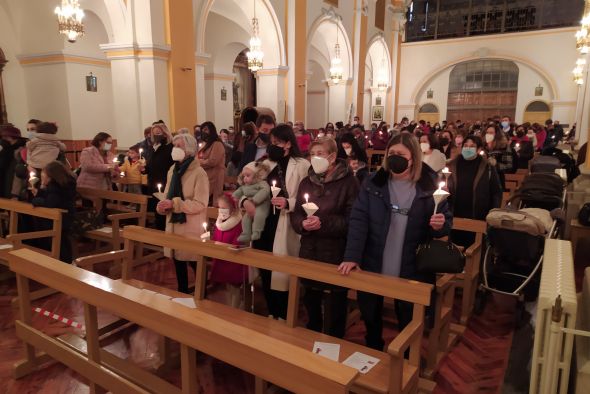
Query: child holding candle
x,y
253,185
228,228
131,170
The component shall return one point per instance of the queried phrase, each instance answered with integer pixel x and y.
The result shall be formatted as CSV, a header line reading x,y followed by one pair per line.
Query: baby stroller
x,y
516,240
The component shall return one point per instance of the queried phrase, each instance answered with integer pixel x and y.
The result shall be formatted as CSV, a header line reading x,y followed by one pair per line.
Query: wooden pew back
x,y
390,287
246,349
14,208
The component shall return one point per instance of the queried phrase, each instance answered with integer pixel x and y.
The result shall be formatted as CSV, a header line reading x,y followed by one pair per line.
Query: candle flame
x,y
441,185
445,170
32,174
205,225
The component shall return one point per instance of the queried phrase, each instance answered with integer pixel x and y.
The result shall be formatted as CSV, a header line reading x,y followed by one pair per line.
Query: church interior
x,y
308,196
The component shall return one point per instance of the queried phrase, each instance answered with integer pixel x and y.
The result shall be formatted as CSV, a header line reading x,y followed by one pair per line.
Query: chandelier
x,y
255,53
336,63
583,35
382,77
69,19
579,71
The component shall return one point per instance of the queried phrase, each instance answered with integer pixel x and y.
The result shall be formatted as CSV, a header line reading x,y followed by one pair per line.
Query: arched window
x,y
538,106
482,89
428,109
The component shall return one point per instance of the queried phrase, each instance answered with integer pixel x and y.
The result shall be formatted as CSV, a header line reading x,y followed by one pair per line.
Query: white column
x,y
398,19
270,90
201,61
360,10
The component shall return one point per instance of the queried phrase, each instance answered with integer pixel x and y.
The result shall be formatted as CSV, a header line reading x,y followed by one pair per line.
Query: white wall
x,y
545,57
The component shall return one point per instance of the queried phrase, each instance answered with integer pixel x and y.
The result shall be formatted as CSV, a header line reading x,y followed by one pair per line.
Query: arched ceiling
x,y
377,59
322,43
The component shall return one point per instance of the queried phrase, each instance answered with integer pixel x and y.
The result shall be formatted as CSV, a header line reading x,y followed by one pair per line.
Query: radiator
x,y
552,352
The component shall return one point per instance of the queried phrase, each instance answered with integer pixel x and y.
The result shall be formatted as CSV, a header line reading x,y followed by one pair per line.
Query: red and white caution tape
x,y
59,318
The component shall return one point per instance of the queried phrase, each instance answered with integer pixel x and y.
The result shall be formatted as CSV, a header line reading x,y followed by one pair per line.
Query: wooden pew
x,y
13,239
128,206
468,280
272,359
370,152
513,181
393,374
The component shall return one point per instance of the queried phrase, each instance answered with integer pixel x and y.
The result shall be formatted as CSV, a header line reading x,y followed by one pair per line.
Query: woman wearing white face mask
x,y
433,157
98,168
332,186
185,205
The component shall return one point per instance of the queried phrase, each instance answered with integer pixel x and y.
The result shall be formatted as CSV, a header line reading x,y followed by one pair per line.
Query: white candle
x,y
141,153
159,188
205,226
445,170
306,196
115,161
32,174
274,183
441,185
122,174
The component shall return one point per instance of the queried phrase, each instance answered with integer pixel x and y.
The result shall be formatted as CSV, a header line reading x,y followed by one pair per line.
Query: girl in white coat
x,y
287,169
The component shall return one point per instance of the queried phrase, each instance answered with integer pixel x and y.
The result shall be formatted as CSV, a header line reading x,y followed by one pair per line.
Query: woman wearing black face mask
x,y
288,168
523,147
158,163
212,158
391,217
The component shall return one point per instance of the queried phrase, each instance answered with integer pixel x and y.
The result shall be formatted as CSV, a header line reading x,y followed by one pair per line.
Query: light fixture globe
x,y
69,19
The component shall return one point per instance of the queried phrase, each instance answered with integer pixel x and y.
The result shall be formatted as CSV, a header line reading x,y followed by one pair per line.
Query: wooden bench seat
x,y
375,381
390,287
195,329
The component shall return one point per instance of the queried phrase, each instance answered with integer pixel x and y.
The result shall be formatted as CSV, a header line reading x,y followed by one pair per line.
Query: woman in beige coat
x,y
185,205
212,159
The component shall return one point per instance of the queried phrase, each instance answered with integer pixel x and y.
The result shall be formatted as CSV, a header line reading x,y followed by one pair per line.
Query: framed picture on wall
x,y
378,100
377,113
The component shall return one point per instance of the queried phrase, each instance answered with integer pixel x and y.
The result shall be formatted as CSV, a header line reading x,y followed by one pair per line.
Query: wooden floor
x,y
476,365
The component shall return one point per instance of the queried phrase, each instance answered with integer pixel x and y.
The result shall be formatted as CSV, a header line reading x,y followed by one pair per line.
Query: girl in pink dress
x,y
228,228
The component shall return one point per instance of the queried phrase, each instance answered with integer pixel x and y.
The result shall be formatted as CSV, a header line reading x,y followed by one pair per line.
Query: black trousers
x,y
276,301
371,307
160,219
182,274
334,312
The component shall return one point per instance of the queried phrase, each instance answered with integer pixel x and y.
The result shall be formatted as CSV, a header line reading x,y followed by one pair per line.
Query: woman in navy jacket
x,y
391,217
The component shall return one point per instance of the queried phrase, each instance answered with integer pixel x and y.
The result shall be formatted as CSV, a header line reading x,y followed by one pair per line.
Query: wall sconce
x,y
91,83
430,94
539,90
223,94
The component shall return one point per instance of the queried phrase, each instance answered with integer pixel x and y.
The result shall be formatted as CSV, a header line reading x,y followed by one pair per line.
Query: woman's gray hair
x,y
183,130
190,143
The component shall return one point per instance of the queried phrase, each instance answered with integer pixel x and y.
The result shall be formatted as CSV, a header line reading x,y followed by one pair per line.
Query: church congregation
x,y
367,212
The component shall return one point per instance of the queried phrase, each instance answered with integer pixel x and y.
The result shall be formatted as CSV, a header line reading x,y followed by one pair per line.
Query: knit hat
x,y
8,130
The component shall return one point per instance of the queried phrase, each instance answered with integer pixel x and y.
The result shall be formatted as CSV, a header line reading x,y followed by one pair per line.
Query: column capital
x,y
202,59
134,50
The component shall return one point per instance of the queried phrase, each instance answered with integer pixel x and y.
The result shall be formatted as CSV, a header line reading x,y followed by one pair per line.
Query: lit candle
x,y
445,170
205,226
481,153
441,185
274,183
32,174
159,188
115,161
141,153
306,196
122,174
32,178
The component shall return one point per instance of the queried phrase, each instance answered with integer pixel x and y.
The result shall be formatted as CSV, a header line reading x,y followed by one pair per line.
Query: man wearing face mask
x,y
474,186
157,165
257,149
391,217
507,126
332,186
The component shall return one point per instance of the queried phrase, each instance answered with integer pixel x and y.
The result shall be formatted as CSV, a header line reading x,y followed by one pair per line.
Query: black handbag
x,y
439,257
